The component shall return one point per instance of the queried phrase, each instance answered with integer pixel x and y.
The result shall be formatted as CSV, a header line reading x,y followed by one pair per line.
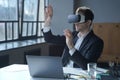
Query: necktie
x,y
75,39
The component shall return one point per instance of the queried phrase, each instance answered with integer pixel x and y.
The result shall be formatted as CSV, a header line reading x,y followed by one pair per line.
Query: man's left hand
x,y
69,38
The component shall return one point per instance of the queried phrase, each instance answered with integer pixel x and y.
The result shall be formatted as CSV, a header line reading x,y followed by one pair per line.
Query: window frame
x,y
20,23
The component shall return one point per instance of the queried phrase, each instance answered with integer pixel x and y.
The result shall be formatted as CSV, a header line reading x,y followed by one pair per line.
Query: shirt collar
x,y
81,35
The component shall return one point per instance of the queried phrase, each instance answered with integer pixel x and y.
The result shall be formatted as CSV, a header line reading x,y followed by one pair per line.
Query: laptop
x,y
45,66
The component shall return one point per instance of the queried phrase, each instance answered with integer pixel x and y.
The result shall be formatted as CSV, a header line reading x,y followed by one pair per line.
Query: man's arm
x,y
56,39
91,53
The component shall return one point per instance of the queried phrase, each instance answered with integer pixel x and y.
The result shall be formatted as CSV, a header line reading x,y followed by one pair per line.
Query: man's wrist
x,y
71,51
48,21
47,24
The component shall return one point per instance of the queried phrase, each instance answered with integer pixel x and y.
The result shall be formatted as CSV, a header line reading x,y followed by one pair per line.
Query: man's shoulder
x,y
95,37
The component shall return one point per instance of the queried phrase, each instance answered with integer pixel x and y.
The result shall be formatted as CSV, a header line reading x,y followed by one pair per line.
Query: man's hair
x,y
86,12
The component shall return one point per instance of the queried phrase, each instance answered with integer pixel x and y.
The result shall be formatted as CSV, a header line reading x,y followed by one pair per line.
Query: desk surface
x,y
21,72
18,72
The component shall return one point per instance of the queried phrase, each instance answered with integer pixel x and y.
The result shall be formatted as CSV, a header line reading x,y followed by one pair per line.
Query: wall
x,y
109,32
61,9
106,11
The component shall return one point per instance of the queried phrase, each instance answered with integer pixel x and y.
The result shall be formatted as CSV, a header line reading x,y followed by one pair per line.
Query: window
x,y
21,19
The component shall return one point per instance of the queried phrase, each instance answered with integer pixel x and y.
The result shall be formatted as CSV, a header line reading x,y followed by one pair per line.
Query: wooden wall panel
x,y
110,33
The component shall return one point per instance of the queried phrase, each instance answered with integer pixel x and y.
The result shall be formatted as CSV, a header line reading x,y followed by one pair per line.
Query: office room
x,y
22,33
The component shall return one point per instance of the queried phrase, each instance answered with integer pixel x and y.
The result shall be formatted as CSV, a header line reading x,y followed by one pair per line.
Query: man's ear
x,y
88,22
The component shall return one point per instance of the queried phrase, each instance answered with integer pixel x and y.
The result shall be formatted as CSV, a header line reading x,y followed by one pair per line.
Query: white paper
x,y
75,71
101,70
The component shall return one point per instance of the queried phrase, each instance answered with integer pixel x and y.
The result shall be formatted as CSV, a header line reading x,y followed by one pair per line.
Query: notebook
x,y
45,66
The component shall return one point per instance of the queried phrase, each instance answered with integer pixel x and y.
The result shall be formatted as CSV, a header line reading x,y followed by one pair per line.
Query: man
x,y
81,46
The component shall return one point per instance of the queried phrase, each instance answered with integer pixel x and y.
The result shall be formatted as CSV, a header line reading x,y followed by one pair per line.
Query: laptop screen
x,y
45,66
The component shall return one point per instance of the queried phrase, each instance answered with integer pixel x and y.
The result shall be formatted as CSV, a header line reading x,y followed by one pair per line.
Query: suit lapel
x,y
86,39
75,37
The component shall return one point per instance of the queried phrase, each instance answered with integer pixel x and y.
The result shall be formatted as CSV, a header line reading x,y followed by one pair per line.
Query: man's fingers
x,y
67,33
50,10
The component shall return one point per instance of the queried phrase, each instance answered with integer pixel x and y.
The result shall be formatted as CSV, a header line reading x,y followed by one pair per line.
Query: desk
x,y
18,72
14,72
21,72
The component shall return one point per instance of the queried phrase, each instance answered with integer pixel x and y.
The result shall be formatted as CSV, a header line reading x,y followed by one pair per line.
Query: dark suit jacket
x,y
89,51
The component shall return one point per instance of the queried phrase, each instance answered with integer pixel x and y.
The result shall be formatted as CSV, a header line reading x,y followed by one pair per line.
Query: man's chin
x,y
78,30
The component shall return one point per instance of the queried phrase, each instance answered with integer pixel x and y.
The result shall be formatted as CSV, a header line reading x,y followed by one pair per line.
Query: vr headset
x,y
72,18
